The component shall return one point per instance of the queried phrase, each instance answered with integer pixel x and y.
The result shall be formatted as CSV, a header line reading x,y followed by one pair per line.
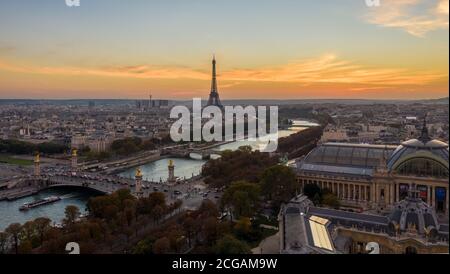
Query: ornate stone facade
x,y
376,176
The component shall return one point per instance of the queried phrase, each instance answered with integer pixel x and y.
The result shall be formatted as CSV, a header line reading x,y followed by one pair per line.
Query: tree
x,y
130,214
28,231
14,231
230,245
208,209
243,226
210,230
126,146
176,205
157,213
317,199
156,199
161,246
144,247
3,242
72,213
242,164
42,225
189,227
331,200
279,184
243,197
176,239
310,190
25,247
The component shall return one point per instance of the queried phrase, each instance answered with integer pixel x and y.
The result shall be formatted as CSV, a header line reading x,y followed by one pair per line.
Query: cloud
x,y
326,69
417,17
6,49
330,69
125,71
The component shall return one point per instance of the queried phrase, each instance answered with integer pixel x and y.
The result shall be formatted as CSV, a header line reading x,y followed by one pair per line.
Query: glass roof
x,y
319,232
352,155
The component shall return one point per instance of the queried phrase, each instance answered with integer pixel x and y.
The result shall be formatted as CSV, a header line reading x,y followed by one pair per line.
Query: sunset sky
x,y
278,49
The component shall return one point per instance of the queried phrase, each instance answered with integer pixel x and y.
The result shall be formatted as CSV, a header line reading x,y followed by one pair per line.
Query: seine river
x,y
9,211
154,171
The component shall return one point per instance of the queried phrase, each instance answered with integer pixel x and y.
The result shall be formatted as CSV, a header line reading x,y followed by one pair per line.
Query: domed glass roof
x,y
423,147
410,147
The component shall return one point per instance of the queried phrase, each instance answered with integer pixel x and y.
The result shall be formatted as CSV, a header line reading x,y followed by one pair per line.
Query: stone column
x,y
360,195
375,193
432,196
391,193
354,192
446,200
338,192
429,195
397,192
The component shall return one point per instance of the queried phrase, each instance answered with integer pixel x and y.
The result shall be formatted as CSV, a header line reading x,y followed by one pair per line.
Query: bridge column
x,y
74,165
37,165
138,184
171,169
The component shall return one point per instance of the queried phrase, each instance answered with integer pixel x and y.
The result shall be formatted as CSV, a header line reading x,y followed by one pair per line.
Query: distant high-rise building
x,y
214,99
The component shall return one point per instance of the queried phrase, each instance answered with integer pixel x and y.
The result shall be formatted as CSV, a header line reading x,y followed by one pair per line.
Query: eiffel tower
x,y
214,99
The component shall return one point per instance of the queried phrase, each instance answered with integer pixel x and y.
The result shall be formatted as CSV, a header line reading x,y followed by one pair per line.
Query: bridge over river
x,y
103,184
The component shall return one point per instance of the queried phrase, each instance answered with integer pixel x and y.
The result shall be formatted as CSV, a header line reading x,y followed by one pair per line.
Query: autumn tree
x,y
243,197
279,184
242,164
157,213
208,209
161,246
28,231
14,231
42,225
230,245
331,200
71,214
210,230
3,242
190,228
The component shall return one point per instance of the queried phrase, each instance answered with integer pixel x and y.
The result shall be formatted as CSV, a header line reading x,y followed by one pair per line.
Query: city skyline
x,y
264,50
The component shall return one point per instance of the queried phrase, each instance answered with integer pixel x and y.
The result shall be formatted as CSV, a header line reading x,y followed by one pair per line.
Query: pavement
x,y
270,245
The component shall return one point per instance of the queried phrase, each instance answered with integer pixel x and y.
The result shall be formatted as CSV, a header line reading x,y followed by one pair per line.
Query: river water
x,y
9,210
155,171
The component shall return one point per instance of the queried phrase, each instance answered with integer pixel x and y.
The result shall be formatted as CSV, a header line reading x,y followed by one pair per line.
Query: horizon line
x,y
244,99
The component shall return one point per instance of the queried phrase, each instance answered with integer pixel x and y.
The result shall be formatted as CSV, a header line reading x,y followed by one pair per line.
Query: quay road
x,y
187,191
123,163
144,157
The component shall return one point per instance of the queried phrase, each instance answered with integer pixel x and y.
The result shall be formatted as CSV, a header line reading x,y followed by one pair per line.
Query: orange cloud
x,y
126,71
327,69
411,15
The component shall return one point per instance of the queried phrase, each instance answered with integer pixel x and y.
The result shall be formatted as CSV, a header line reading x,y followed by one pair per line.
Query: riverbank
x,y
9,210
